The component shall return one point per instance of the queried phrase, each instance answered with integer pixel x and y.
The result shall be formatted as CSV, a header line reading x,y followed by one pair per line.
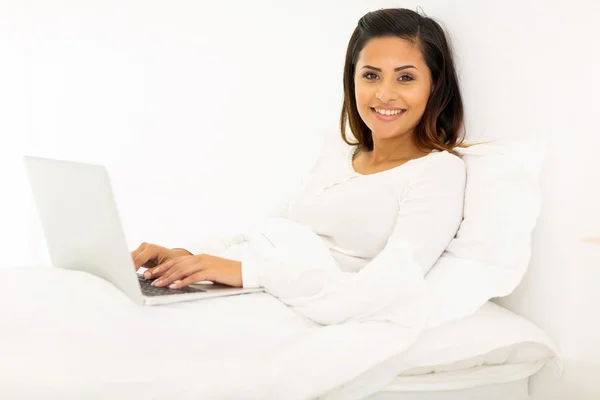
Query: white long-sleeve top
x,y
350,246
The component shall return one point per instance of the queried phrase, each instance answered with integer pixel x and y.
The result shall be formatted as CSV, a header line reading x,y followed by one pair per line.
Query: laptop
x,y
83,231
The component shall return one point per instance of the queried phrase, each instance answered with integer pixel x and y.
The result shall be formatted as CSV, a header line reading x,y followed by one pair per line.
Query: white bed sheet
x,y
485,375
68,335
498,382
517,390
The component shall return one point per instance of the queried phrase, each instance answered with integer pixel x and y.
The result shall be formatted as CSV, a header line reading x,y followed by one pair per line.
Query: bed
x,y
71,335
68,334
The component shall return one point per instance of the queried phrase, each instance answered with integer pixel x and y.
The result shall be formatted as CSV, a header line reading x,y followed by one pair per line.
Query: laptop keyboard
x,y
149,290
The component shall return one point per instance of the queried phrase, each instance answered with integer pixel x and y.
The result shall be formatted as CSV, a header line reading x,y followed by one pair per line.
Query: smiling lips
x,y
388,114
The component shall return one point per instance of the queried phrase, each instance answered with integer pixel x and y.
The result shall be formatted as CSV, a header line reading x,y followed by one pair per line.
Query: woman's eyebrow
x,y
395,69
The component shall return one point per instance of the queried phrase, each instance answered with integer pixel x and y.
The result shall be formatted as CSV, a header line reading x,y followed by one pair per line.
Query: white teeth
x,y
388,112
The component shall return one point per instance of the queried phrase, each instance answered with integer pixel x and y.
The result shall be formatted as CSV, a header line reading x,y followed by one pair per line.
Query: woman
x,y
365,212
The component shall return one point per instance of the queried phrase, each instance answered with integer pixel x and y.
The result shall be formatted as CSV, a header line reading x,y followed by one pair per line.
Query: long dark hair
x,y
439,127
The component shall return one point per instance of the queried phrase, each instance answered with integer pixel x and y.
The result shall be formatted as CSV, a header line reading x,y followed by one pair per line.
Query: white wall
x,y
207,113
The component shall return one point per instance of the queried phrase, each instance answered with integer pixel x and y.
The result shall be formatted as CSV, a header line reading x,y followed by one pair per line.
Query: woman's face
x,y
392,77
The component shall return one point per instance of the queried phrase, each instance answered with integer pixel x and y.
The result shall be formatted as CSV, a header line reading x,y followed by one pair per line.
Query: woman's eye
x,y
409,78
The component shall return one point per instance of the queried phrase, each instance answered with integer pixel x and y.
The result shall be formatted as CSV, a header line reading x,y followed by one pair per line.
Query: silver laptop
x,y
83,231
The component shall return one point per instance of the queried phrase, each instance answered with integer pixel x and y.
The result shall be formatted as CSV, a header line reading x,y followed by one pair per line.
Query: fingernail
x,y
173,286
147,275
156,283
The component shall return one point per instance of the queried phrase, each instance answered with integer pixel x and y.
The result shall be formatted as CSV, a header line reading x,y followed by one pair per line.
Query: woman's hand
x,y
149,255
191,269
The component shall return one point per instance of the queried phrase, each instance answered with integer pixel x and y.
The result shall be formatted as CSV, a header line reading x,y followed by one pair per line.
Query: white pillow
x,y
490,253
510,339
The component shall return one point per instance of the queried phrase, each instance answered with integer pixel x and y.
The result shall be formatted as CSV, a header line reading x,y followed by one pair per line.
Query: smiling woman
x,y
401,94
378,220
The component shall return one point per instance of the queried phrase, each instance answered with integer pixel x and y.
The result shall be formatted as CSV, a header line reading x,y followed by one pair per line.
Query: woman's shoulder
x,y
443,165
445,158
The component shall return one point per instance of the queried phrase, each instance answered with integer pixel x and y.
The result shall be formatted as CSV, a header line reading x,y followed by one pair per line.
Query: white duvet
x,y
71,335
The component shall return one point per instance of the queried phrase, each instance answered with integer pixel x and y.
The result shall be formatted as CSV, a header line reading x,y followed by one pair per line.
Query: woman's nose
x,y
386,93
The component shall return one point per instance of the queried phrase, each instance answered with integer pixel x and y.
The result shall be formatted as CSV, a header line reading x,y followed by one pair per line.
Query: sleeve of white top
x,y
210,245
391,286
431,211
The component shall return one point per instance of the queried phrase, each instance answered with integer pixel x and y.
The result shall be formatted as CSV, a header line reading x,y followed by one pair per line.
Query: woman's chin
x,y
385,135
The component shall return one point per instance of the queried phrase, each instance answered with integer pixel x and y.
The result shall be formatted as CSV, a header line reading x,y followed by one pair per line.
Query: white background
x,y
208,113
